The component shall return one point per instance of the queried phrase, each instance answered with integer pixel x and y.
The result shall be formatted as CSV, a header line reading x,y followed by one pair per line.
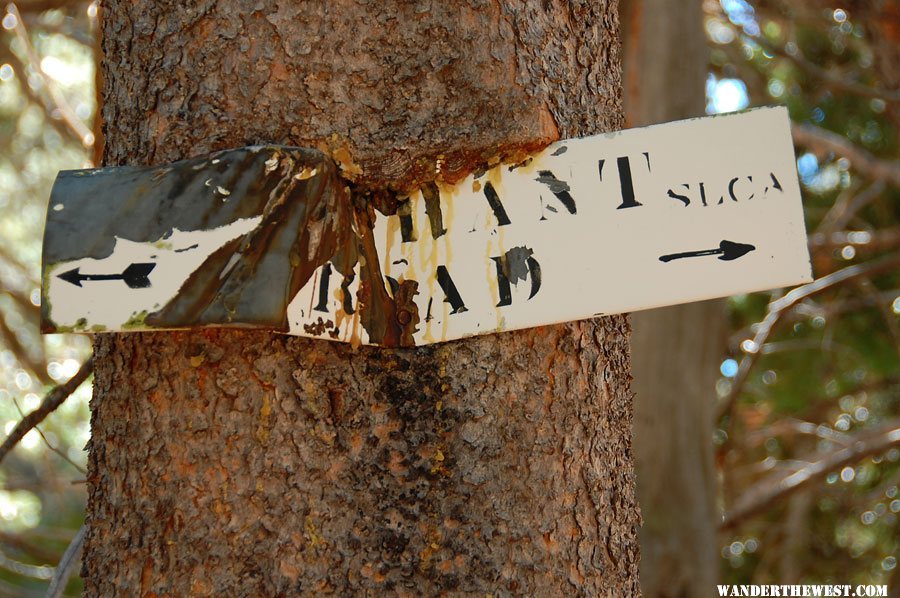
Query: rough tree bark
x,y
675,350
248,463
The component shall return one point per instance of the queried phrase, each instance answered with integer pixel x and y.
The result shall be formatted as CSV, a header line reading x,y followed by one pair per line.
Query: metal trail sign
x,y
272,237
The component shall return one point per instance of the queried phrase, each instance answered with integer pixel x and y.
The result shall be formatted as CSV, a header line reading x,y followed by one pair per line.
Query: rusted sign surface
x,y
272,237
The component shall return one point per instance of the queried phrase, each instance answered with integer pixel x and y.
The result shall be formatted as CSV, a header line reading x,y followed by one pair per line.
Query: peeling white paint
x,y
110,303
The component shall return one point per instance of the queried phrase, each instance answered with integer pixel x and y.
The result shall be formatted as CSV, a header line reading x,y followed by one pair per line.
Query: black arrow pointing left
x,y
136,276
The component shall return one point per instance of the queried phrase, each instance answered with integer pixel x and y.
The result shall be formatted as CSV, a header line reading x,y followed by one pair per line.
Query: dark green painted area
x,y
307,219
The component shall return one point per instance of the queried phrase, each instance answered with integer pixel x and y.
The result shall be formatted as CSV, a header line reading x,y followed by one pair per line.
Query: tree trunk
x,y
675,350
249,463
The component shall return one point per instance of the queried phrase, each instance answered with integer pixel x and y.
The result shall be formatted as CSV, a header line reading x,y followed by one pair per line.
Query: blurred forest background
x,y
806,435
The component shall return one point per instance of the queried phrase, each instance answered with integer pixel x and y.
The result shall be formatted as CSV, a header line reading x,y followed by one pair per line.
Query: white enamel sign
x,y
679,212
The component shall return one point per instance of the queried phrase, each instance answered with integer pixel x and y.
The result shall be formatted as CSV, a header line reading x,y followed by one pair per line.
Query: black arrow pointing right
x,y
136,276
727,251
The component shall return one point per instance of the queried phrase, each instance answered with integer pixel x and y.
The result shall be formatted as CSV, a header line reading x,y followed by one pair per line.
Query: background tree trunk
x,y
675,350
248,463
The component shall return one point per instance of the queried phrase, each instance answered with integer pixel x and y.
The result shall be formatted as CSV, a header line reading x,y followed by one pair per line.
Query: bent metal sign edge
x,y
272,237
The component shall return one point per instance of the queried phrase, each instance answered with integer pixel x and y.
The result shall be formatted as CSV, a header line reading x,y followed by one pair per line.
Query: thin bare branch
x,y
849,203
822,141
66,565
44,102
808,310
23,302
875,240
831,79
39,6
21,544
21,352
868,289
11,284
779,307
65,110
48,444
790,426
51,402
873,268
13,261
778,486
25,569
72,31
